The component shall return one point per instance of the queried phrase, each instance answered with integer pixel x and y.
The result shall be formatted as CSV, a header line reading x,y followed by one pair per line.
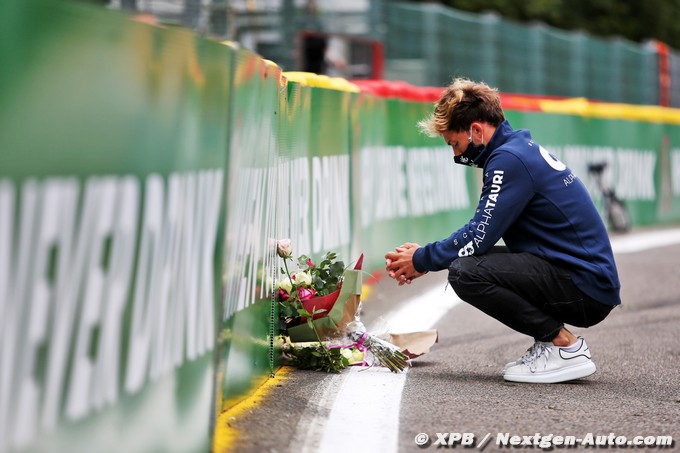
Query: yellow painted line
x,y
321,81
605,110
366,292
225,435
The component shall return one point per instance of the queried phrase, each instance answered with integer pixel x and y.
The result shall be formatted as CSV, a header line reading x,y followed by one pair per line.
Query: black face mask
x,y
471,153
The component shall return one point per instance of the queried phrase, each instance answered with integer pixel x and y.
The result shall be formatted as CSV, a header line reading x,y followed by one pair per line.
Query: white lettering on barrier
x,y
233,251
393,184
383,184
64,264
270,232
145,290
629,171
330,202
421,179
435,184
320,207
162,337
45,226
635,174
33,286
99,205
299,205
117,283
452,182
210,198
675,171
68,272
245,221
254,220
340,212
399,182
7,309
366,167
311,206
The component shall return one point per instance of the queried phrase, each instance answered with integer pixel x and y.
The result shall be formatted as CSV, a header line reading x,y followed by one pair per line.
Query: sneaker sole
x,y
562,375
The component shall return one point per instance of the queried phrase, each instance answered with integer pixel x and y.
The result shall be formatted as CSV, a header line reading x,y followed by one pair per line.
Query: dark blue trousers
x,y
524,292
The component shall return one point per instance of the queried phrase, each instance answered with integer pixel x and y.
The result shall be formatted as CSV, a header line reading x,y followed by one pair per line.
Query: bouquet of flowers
x,y
384,352
320,303
313,287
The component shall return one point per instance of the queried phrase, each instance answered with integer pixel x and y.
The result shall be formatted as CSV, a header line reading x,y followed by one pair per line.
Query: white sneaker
x,y
545,363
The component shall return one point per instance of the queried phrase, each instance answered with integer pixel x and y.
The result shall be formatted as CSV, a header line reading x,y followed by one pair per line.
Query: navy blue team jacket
x,y
537,205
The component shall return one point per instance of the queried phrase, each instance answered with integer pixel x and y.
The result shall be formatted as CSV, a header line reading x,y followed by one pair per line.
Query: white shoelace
x,y
536,351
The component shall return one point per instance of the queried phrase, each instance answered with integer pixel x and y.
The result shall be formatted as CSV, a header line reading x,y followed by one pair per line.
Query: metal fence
x,y
439,43
428,44
271,28
674,58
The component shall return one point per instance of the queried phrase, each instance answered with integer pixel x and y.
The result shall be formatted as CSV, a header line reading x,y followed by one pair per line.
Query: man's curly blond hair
x,y
462,103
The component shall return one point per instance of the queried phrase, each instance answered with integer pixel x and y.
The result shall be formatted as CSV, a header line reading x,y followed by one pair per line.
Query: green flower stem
x,y
297,300
290,279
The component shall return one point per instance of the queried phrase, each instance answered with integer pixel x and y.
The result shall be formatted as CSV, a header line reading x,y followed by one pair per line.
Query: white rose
x,y
284,284
284,248
302,278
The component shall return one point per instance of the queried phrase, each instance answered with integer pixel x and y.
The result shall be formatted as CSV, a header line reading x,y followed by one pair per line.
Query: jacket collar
x,y
500,136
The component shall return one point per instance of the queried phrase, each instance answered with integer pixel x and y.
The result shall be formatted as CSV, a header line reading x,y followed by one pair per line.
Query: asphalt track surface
x,y
458,387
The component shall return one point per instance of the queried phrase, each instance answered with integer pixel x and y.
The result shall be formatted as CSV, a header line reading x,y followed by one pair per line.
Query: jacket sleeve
x,y
508,188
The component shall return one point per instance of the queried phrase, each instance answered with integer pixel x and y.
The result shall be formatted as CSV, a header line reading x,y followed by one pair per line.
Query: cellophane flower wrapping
x,y
376,349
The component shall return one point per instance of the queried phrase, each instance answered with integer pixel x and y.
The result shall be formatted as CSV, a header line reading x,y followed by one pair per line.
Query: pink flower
x,y
309,262
306,294
282,295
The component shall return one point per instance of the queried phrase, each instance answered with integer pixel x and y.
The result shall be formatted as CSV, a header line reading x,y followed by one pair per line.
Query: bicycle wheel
x,y
619,218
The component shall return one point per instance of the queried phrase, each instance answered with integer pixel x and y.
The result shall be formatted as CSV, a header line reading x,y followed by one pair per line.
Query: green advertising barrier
x,y
667,177
244,353
315,171
329,153
113,145
369,129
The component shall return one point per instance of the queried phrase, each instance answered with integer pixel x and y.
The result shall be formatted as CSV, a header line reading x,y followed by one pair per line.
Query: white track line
x,y
366,401
423,311
365,417
364,404
643,241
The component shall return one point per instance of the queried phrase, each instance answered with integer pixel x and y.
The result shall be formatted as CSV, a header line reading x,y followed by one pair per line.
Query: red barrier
x,y
399,89
402,90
